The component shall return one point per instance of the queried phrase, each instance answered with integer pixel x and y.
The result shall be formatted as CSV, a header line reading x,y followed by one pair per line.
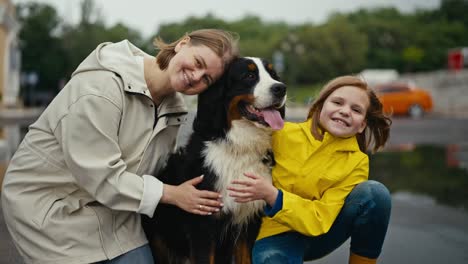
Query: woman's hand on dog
x,y
252,188
190,199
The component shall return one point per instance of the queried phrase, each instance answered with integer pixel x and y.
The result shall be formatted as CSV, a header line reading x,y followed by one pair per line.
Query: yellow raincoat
x,y
315,178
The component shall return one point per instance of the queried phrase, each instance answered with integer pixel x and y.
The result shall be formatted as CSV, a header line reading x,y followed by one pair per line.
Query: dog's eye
x,y
250,76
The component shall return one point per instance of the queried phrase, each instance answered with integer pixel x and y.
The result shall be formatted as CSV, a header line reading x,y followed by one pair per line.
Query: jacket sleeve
x,y
89,137
315,217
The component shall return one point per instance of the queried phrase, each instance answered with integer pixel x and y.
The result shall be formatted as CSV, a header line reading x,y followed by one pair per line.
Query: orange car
x,y
404,99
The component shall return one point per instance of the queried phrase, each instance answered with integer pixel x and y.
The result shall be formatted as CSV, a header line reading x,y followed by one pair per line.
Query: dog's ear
x,y
210,120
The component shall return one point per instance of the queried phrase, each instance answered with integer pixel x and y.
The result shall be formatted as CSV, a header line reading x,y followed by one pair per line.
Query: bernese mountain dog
x,y
231,135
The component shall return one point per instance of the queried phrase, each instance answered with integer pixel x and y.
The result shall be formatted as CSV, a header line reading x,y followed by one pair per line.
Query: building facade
x,y
9,55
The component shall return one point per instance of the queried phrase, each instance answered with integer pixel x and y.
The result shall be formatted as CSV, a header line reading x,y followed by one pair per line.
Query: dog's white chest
x,y
229,161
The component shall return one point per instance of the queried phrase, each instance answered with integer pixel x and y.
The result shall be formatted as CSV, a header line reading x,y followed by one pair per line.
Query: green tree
x,y
257,38
344,44
386,34
412,42
170,32
326,51
412,56
453,10
79,40
53,49
41,47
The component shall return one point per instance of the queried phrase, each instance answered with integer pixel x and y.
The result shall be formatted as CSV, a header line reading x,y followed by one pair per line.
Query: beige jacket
x,y
76,186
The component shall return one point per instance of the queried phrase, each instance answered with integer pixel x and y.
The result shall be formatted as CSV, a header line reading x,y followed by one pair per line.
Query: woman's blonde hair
x,y
223,43
378,124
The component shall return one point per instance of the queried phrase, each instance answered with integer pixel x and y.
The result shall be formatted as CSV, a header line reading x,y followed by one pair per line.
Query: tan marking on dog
x,y
252,66
233,111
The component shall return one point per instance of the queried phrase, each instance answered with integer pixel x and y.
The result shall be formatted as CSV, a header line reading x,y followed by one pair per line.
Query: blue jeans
x,y
364,217
140,255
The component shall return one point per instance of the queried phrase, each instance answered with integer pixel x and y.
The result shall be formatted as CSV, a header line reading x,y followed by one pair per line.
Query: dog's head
x,y
255,93
250,89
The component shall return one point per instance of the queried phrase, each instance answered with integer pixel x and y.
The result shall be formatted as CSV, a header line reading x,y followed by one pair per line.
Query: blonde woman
x,y
75,188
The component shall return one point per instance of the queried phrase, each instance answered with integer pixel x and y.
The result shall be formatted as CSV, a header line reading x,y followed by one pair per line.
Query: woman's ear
x,y
182,42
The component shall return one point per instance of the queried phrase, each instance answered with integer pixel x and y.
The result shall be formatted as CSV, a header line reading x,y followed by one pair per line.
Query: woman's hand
x,y
253,188
190,199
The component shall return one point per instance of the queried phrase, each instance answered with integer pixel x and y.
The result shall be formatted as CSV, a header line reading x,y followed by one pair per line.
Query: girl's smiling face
x,y
193,68
344,111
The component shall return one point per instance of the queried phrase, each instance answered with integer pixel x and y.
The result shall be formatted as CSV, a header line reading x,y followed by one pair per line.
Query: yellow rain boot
x,y
356,259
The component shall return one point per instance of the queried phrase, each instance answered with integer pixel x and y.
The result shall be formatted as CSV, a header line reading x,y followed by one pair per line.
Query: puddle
x,y
438,172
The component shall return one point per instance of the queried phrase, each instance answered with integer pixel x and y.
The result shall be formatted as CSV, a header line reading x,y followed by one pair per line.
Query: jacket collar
x,y
172,104
134,78
122,58
339,144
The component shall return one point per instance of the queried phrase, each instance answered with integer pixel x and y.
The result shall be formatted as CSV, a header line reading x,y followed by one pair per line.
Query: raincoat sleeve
x,y
315,217
89,137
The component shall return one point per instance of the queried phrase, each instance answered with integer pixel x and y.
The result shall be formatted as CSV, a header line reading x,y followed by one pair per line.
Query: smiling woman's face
x,y
344,111
193,68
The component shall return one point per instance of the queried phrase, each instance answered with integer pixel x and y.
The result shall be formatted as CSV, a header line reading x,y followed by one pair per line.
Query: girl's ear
x,y
363,126
182,42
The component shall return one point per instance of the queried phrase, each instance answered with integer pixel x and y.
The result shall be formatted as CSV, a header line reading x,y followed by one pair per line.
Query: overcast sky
x,y
145,16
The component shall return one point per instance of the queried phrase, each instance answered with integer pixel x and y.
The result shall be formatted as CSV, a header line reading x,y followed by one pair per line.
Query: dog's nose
x,y
279,89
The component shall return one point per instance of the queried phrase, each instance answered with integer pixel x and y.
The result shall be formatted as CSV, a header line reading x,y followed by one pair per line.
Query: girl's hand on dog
x,y
252,188
190,199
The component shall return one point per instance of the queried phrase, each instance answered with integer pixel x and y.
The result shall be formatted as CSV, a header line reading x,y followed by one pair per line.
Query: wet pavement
x,y
420,231
8,253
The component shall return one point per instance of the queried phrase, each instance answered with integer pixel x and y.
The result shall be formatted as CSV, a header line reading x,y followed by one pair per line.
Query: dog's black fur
x,y
176,236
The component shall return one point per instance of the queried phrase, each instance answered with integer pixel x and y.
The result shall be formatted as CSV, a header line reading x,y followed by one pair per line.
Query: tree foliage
x,y
344,44
53,49
41,48
328,50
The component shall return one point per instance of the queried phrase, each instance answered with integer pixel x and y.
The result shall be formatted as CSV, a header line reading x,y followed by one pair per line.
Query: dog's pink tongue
x,y
273,118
